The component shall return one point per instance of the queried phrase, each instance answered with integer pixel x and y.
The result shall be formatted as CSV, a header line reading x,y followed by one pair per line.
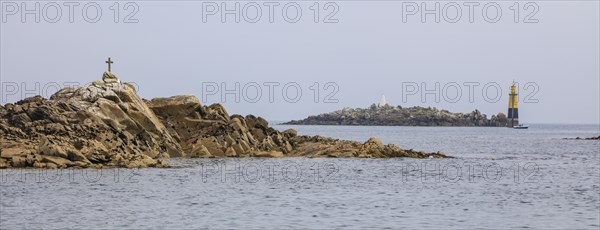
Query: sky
x,y
287,66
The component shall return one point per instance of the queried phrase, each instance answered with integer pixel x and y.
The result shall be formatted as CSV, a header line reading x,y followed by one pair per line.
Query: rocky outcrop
x,y
106,124
103,125
317,146
397,116
586,138
209,131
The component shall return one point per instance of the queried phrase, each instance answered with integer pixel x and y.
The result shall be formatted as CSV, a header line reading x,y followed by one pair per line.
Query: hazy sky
x,y
370,51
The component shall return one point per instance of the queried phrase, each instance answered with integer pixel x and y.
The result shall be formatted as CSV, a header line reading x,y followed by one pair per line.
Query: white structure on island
x,y
382,101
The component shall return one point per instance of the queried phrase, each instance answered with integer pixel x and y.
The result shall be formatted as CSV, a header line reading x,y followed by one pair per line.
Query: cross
x,y
109,62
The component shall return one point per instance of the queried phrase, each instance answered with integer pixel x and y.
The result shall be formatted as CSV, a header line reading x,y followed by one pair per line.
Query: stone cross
x,y
109,62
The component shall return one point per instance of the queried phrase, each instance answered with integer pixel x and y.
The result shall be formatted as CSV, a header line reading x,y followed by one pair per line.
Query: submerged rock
x,y
587,138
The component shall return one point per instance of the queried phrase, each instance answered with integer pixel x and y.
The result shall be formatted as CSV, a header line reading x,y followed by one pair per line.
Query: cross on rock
x,y
109,62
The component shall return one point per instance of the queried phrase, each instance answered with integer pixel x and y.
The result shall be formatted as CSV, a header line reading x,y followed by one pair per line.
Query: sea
x,y
499,178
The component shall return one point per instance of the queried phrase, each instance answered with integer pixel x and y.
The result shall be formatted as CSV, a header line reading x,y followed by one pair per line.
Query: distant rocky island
x,y
585,138
106,124
387,115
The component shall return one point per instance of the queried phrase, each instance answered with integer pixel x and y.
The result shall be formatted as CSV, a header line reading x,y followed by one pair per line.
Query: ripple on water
x,y
363,193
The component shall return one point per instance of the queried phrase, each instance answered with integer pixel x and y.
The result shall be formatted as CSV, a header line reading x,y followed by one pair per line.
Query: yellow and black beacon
x,y
513,106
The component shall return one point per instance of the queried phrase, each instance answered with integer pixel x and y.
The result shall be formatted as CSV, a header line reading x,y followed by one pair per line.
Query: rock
x,y
245,146
239,150
288,147
230,152
212,146
109,77
261,123
39,165
274,154
49,148
18,162
250,121
86,126
178,106
373,143
8,153
54,128
258,134
74,155
290,133
19,119
45,165
277,139
130,86
587,138
238,125
51,166
163,156
3,164
229,140
364,155
202,151
217,112
267,144
328,147
141,161
347,154
58,161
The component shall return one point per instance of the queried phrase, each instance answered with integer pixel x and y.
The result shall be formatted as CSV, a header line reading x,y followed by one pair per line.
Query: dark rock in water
x,y
397,116
588,138
107,124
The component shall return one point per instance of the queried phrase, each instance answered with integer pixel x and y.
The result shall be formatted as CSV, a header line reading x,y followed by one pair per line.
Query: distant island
x,y
585,138
386,115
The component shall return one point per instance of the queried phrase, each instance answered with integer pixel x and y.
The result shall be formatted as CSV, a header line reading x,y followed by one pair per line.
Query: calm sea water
x,y
500,178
